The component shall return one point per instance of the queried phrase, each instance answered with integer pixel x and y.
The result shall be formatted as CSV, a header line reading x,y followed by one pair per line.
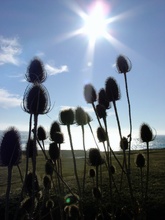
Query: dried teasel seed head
x,y
80,116
96,193
112,169
103,99
41,133
140,160
124,143
31,148
112,90
10,148
101,134
58,138
36,100
47,182
123,64
29,181
95,158
146,134
54,151
49,167
90,93
92,173
67,117
101,111
55,127
36,72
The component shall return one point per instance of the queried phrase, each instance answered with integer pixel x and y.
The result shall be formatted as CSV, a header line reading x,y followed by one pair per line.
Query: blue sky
x,y
47,29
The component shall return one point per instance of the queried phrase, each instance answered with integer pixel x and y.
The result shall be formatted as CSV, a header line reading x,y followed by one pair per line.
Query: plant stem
x,y
147,176
8,192
84,176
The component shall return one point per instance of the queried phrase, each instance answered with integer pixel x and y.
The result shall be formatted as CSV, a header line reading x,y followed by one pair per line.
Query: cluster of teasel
x,y
36,101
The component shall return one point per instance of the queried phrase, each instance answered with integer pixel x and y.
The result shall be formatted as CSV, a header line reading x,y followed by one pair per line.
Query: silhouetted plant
x,y
140,162
36,72
54,151
55,127
103,99
146,135
10,155
41,135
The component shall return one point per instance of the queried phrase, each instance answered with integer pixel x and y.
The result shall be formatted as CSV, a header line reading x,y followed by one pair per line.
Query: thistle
x,y
90,93
36,72
103,99
10,155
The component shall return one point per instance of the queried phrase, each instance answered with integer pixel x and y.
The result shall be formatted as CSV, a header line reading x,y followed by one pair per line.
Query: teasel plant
x,y
67,118
146,136
10,155
81,120
124,66
113,94
140,163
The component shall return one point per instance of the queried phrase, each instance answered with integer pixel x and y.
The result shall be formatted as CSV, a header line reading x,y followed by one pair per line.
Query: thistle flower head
x,y
54,151
90,93
103,99
101,111
95,158
36,100
36,72
49,167
101,134
146,134
41,133
124,143
112,90
10,148
67,117
140,160
123,64
80,116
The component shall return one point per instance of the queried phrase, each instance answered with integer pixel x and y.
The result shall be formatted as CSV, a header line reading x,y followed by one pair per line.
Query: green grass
x,y
154,207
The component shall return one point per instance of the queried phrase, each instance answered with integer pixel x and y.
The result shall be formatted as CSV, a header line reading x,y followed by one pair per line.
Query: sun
x,y
95,25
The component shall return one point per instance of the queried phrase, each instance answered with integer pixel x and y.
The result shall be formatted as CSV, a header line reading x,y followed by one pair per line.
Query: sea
x,y
136,144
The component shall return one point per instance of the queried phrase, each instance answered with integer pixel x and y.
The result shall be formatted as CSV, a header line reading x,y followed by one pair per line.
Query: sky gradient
x,y
50,31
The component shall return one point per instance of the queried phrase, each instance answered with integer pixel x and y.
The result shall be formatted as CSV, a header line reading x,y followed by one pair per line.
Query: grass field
x,y
154,207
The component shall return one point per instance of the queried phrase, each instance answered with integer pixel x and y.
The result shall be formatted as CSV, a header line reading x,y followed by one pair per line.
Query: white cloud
x,y
9,50
51,70
8,100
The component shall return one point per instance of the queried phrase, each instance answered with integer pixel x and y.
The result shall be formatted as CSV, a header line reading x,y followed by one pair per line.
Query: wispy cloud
x,y
52,70
8,100
9,51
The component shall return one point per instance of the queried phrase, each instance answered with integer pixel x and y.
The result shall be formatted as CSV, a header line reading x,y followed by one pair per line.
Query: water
x,y
158,143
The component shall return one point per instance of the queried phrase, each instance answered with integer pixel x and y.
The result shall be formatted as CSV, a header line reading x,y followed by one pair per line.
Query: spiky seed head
x,y
103,99
140,160
36,100
123,64
67,117
10,148
96,193
92,173
49,204
95,158
74,212
41,133
90,93
49,167
47,182
31,148
36,72
112,90
112,169
101,134
80,116
101,111
58,138
146,134
55,127
54,151
124,143
29,181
